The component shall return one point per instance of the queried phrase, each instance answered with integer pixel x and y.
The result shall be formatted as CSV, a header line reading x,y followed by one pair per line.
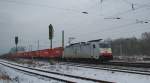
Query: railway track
x,y
129,64
109,68
53,75
115,63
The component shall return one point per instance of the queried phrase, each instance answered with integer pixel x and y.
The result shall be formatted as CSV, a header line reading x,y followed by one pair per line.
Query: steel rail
x,y
37,74
129,64
142,72
67,75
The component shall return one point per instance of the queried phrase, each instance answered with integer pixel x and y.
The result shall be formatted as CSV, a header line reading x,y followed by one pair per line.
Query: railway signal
x,y
51,32
16,42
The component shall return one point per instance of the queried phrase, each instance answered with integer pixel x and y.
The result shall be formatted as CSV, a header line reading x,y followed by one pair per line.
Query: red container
x,y
51,53
45,53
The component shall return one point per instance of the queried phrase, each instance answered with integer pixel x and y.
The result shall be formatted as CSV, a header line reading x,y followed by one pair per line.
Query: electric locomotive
x,y
94,49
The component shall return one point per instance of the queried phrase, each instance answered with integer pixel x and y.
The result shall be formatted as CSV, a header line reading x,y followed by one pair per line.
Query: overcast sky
x,y
29,20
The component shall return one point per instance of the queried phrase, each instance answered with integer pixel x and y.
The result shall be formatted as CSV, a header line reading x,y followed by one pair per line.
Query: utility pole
x,y
70,40
120,49
38,45
30,46
63,38
51,46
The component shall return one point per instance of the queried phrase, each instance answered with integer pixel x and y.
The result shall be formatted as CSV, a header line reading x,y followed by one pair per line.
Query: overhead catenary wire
x,y
108,29
122,13
132,30
66,9
126,1
130,10
113,34
113,28
46,6
73,10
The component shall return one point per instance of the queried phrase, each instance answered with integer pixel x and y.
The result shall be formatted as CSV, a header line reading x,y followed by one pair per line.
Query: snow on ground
x,y
20,77
117,77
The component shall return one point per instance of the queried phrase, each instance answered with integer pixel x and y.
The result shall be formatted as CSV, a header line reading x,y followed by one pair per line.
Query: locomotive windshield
x,y
104,45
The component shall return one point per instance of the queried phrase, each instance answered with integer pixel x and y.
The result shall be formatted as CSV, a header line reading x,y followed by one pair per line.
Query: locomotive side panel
x,y
72,51
68,52
85,50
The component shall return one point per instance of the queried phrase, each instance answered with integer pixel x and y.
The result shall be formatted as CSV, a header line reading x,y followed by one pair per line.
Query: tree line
x,y
132,46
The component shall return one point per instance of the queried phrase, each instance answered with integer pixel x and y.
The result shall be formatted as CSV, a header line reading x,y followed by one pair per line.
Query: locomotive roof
x,y
97,40
74,44
79,43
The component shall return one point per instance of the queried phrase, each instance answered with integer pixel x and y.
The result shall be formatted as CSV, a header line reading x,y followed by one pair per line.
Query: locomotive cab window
x,y
94,46
104,45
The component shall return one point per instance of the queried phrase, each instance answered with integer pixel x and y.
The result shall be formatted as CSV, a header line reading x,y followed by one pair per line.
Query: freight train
x,y
94,49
